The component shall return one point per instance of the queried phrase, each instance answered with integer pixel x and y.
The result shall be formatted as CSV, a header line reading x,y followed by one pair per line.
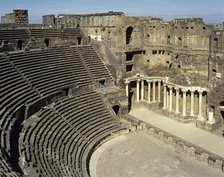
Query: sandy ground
x,y
141,155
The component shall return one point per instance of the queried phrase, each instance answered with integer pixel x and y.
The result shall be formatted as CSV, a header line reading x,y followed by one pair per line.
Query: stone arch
x,y
129,32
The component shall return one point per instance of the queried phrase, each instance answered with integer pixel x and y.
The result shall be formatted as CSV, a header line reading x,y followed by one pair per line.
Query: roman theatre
x,y
111,95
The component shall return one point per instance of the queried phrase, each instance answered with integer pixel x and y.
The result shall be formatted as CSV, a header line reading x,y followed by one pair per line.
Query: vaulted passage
x,y
102,82
116,109
20,44
47,42
128,34
79,39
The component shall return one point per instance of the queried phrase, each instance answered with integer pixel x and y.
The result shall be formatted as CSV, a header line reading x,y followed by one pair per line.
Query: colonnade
x,y
182,91
140,90
171,93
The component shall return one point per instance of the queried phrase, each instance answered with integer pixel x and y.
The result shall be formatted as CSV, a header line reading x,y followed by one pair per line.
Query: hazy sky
x,y
211,10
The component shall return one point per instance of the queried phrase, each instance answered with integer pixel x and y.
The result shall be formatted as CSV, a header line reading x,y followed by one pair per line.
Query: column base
x,y
210,122
207,125
192,115
201,118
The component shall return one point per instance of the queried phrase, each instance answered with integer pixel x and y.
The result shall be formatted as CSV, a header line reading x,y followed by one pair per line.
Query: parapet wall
x,y
180,144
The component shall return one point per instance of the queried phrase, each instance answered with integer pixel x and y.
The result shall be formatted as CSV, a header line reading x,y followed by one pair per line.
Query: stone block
x,y
204,157
180,146
217,163
151,131
191,151
161,135
170,140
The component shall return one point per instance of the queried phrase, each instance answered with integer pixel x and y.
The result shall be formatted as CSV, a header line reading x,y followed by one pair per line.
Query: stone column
x,y
159,91
154,92
167,100
142,89
192,103
164,96
200,104
171,98
127,87
177,100
184,102
149,91
137,92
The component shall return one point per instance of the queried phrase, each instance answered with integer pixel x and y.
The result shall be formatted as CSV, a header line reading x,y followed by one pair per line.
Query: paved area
x,y
188,132
141,155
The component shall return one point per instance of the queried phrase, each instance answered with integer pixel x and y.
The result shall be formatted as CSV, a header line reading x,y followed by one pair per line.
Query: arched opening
x,y
102,82
214,71
79,40
221,103
116,109
180,39
47,42
77,25
129,32
20,44
168,39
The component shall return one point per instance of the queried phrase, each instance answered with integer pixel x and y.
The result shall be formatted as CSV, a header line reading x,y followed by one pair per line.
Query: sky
x,y
212,11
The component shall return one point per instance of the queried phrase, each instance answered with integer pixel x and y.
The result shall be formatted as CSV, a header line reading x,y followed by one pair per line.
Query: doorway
x,y
116,109
47,42
19,44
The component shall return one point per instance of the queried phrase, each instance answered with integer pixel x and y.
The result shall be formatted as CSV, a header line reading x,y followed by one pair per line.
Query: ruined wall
x,y
49,21
179,49
19,17
191,43
216,73
184,50
8,18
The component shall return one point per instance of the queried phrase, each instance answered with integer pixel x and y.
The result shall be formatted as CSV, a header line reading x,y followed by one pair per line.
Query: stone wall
x,y
179,49
19,16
